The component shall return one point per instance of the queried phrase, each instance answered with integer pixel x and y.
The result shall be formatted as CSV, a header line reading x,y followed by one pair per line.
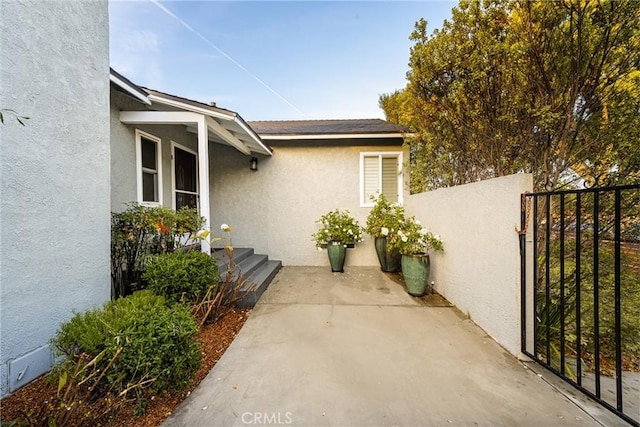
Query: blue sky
x,y
288,60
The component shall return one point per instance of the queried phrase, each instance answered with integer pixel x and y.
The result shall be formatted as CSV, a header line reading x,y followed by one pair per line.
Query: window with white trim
x,y
149,168
380,172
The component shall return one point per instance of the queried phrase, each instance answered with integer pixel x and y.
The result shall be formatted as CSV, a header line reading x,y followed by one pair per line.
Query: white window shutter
x,y
371,177
390,178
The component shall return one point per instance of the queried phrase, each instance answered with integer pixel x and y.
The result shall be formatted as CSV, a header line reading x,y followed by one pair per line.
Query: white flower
x,y
319,249
225,228
384,231
437,236
350,232
404,239
424,232
345,246
418,222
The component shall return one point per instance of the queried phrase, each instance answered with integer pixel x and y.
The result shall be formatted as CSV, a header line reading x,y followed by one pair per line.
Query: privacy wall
x,y
479,270
54,183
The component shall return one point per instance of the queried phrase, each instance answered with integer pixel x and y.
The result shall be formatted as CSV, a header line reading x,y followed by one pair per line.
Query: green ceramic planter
x,y
415,271
337,254
389,260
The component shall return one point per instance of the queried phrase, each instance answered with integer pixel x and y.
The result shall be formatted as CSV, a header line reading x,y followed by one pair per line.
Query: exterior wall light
x,y
254,164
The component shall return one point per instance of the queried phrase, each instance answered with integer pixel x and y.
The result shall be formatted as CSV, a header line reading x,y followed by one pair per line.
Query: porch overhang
x,y
228,126
184,118
190,120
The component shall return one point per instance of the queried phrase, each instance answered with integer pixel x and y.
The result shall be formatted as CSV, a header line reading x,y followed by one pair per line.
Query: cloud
x,y
137,41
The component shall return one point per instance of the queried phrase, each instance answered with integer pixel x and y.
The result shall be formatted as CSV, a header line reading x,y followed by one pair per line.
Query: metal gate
x,y
580,284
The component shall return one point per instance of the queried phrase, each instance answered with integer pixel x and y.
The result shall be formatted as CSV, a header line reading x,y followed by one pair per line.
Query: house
x,y
171,151
95,141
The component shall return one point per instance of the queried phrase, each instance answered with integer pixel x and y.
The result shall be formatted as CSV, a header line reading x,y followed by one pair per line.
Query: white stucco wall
x,y
123,152
274,209
54,182
479,270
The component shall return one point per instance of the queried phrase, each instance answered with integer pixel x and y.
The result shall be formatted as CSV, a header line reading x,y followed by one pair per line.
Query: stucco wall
x,y
479,270
54,184
123,152
274,209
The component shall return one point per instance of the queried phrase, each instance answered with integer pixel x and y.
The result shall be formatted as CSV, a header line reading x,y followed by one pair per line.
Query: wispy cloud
x,y
138,41
223,53
135,53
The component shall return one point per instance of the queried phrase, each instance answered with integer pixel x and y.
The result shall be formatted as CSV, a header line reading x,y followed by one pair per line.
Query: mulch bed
x,y
214,340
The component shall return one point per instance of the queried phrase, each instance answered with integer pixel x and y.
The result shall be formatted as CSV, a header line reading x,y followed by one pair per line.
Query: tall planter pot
x,y
337,254
389,260
415,271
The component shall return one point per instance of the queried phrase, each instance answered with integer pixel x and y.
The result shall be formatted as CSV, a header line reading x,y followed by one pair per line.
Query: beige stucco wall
x,y
274,209
479,270
123,152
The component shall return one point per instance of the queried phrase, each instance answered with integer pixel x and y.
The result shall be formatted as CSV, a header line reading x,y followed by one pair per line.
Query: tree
x,y
534,86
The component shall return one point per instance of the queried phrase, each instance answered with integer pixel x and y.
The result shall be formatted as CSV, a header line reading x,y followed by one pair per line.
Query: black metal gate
x,y
580,302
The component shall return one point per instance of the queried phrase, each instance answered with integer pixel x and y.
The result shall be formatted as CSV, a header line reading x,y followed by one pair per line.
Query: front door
x,y
185,178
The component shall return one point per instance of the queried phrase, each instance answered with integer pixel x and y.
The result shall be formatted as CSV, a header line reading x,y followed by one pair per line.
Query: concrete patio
x,y
354,349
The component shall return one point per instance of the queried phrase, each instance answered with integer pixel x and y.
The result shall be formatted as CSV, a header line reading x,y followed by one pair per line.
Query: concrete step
x,y
239,254
256,269
261,277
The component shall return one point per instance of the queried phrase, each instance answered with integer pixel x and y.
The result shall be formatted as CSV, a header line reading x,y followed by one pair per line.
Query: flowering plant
x,y
337,227
414,239
384,219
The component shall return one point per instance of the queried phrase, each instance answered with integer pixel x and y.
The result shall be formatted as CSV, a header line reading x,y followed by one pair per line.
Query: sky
x,y
271,60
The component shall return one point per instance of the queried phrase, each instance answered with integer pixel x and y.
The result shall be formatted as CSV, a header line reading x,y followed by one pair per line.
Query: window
x,y
380,172
149,169
185,177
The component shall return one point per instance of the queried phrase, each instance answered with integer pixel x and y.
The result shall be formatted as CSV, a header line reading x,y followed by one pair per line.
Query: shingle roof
x,y
326,127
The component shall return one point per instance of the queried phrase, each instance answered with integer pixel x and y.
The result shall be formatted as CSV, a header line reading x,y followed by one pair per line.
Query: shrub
x,y
384,218
137,341
337,226
181,276
139,232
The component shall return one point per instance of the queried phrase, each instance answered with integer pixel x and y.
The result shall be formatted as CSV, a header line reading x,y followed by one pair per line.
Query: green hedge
x,y
155,341
181,276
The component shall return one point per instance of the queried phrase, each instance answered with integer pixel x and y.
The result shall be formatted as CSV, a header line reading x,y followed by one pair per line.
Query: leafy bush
x,y
139,232
137,341
337,226
384,218
181,276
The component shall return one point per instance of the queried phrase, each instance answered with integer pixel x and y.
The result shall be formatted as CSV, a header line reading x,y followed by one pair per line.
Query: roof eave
x,y
235,117
129,87
333,136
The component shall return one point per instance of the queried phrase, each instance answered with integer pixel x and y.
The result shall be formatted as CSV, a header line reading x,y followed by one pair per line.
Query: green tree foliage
x,y
517,85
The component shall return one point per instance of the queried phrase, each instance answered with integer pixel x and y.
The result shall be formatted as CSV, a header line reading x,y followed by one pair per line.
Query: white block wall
x,y
479,270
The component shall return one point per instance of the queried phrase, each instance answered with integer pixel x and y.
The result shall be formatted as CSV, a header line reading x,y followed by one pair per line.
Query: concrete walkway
x,y
354,349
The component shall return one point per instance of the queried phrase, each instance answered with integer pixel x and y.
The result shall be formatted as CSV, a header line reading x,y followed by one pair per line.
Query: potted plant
x,y
383,223
414,242
338,231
